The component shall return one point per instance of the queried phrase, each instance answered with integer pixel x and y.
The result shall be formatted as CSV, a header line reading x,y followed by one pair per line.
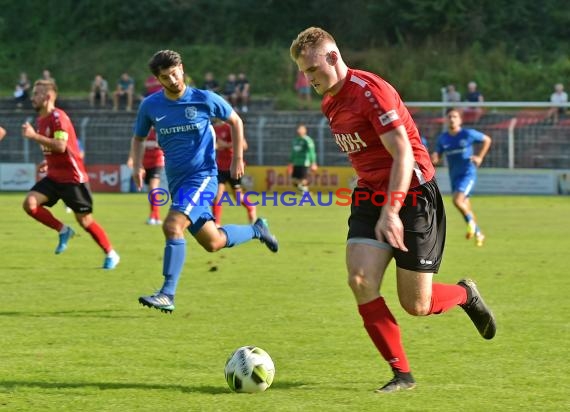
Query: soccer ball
x,y
249,369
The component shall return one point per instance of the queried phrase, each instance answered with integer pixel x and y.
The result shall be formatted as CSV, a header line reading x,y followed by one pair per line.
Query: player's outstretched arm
x,y
2,132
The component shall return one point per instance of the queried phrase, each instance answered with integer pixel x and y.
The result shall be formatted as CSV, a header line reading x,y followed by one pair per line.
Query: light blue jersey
x,y
184,132
458,150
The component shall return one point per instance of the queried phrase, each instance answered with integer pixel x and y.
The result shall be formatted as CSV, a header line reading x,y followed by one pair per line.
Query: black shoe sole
x,y
397,388
148,305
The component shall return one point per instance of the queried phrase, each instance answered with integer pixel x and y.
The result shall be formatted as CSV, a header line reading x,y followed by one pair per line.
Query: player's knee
x,y
458,202
171,230
357,281
213,245
84,219
416,307
29,205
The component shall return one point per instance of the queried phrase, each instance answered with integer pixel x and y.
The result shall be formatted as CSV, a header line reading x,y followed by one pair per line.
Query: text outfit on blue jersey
x,y
457,145
181,117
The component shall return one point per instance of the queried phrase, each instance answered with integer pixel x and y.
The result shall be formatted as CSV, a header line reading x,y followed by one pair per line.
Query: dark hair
x,y
453,109
163,59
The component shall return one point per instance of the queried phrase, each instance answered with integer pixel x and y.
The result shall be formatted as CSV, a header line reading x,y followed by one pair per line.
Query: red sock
x,y
250,211
42,215
385,333
217,211
155,212
445,297
99,235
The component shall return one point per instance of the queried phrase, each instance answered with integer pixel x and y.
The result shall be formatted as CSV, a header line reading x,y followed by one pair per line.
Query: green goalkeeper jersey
x,y
303,153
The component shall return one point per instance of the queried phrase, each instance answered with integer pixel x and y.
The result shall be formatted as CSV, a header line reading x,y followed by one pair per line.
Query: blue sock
x,y
238,234
174,257
468,217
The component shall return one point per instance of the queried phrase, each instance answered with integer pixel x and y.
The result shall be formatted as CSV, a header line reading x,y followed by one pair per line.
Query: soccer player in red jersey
x,y
224,153
153,165
371,124
66,176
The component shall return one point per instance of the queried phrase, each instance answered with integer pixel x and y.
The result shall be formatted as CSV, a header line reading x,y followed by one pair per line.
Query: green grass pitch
x,y
74,338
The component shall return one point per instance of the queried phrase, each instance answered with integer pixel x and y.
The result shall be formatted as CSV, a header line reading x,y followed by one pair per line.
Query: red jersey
x,y
66,167
365,108
153,154
224,156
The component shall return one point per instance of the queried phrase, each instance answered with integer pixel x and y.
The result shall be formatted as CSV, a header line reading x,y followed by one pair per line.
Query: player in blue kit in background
x,y
181,117
457,145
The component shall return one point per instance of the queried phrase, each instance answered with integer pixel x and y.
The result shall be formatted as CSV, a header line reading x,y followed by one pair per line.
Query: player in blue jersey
x,y
181,117
457,145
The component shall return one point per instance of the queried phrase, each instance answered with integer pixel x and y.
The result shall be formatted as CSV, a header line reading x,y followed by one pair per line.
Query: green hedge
x,y
418,73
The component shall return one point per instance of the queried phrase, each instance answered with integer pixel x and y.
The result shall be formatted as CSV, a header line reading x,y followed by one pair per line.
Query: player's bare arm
x,y
137,153
237,166
389,227
2,133
56,145
485,145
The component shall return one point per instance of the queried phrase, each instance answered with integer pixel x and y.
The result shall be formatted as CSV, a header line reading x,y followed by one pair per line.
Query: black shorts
x,y
76,196
225,176
152,173
300,172
423,217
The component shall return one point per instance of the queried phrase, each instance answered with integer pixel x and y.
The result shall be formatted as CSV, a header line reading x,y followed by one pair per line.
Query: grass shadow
x,y
97,313
207,389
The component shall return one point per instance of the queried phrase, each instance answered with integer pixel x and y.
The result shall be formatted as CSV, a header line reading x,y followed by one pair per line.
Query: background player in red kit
x,y
371,124
153,164
224,153
66,176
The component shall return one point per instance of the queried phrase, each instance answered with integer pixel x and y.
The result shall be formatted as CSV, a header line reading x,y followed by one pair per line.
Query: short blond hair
x,y
309,38
49,85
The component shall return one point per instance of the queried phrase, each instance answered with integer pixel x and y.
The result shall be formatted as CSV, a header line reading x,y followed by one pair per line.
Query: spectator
x,y
46,75
473,94
22,90
125,88
303,88
151,85
99,91
451,95
230,90
210,83
242,92
558,97
472,114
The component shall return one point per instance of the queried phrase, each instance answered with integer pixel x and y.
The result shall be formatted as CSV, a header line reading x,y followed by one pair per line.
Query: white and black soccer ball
x,y
249,369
